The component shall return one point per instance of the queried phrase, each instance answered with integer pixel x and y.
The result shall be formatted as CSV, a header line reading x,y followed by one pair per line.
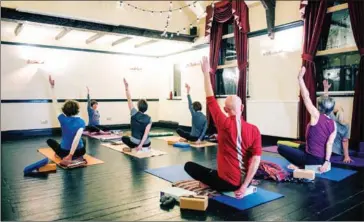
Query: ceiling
x,y
106,12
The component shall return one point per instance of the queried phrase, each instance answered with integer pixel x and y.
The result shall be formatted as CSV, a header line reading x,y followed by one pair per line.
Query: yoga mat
x,y
139,155
358,162
170,138
271,149
260,197
48,152
170,173
335,174
105,137
159,134
288,143
203,144
177,173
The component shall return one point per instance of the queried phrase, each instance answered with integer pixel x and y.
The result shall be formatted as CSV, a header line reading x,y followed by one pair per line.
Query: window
x,y
227,74
337,58
177,80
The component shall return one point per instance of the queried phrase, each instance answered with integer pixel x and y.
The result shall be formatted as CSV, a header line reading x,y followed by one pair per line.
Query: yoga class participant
x,y
341,143
199,122
72,126
93,116
239,145
320,133
140,123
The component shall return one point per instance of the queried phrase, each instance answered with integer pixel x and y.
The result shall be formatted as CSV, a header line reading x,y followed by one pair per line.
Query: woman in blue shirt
x,y
72,126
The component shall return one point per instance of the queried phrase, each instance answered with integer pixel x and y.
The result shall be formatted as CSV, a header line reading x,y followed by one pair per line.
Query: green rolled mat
x,y
288,143
158,134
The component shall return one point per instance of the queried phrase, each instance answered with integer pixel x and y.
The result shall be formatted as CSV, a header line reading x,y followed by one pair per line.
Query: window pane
x,y
177,80
340,32
227,81
228,51
228,28
340,70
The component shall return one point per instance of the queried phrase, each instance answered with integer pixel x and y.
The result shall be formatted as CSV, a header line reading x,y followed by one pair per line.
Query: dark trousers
x,y
63,153
299,156
209,177
126,140
186,135
96,128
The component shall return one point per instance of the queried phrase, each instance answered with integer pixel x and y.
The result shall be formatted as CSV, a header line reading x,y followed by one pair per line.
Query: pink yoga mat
x,y
271,149
101,136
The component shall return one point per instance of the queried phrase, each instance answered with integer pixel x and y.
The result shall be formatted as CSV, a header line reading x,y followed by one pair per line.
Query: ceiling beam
x,y
145,43
196,8
18,29
94,38
64,32
17,16
122,40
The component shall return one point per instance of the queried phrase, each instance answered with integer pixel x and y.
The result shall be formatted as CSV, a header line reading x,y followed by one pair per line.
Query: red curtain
x,y
215,19
241,29
315,13
356,11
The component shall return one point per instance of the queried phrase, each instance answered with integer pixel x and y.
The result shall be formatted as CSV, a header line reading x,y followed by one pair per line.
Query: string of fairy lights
x,y
169,13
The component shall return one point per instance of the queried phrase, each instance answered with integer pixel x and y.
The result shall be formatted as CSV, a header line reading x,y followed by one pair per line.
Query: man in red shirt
x,y
239,145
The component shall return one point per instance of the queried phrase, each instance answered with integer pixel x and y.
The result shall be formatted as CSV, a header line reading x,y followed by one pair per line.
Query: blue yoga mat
x,y
177,173
260,197
335,174
170,173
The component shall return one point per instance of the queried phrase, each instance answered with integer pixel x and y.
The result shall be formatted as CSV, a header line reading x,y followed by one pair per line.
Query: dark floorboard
x,y
119,189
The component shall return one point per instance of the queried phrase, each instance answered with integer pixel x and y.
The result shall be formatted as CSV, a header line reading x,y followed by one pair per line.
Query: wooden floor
x,y
120,190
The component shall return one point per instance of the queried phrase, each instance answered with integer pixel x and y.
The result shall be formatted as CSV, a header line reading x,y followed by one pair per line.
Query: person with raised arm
x,y
341,143
199,122
320,133
94,116
239,145
140,123
72,126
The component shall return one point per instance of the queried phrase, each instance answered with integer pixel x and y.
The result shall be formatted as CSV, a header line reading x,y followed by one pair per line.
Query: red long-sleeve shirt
x,y
229,167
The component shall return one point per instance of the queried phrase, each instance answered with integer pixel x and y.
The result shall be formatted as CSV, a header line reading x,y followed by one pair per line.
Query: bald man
x,y
239,146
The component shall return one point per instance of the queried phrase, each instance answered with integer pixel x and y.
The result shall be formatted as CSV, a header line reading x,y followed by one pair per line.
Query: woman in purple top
x,y
320,133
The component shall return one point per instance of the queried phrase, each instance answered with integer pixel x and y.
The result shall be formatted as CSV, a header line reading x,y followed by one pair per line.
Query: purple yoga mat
x,y
358,162
271,149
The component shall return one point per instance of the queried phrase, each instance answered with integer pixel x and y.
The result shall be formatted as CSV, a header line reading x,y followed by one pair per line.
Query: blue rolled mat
x,y
35,166
335,174
181,145
177,173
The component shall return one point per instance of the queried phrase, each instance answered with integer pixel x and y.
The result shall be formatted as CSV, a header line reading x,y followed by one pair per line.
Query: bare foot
x,y
203,186
182,140
292,167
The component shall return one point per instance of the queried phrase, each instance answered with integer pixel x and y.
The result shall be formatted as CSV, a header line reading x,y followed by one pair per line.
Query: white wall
x,y
73,71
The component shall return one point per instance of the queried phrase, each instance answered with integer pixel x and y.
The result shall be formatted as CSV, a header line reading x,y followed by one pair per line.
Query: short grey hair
x,y
326,105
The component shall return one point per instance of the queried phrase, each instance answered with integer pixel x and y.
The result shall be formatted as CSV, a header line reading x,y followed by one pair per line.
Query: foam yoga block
x,y
199,203
304,174
288,143
181,145
35,166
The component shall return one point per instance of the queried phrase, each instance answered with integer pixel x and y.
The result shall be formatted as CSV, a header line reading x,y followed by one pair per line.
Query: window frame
x,y
336,51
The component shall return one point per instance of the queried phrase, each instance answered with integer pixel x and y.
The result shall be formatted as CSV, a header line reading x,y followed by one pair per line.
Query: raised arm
x,y
54,99
217,115
205,69
315,114
145,136
130,102
326,87
329,145
75,143
189,99
88,100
